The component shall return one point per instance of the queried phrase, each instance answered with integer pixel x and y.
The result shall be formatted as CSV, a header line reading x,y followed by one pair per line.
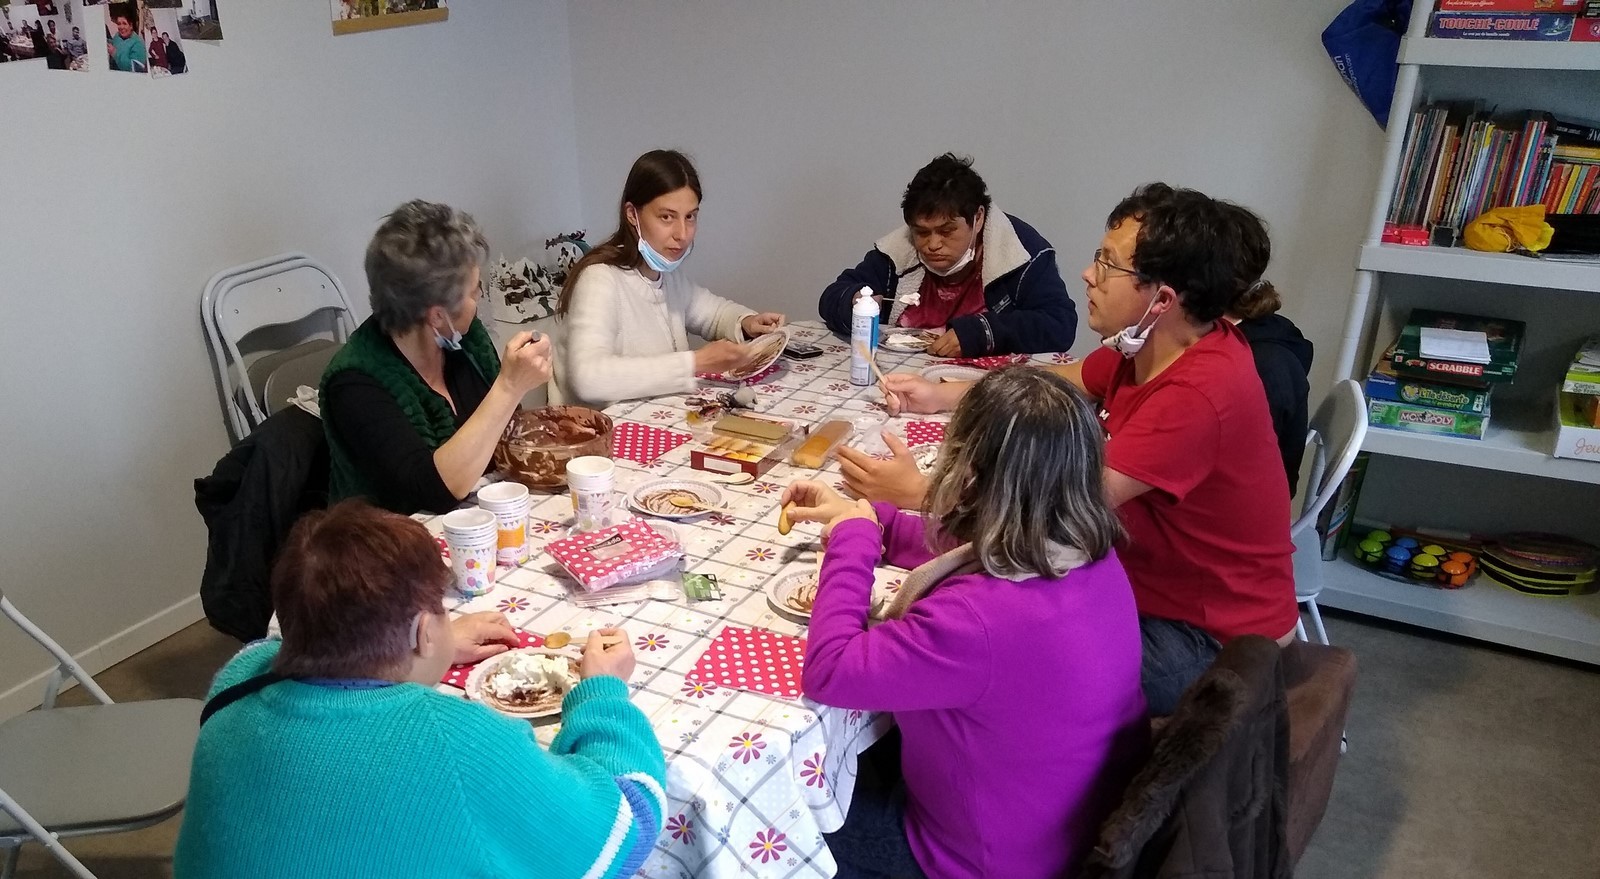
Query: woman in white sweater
x,y
627,312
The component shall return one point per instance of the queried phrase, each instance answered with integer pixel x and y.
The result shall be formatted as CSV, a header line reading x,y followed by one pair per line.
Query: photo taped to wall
x,y
356,16
199,21
162,40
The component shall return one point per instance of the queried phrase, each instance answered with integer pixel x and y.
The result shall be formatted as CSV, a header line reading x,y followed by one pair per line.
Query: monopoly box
x,y
1423,419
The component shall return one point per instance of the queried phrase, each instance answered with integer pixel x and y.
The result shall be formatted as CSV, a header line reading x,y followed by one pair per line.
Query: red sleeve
x,y
1099,368
1170,442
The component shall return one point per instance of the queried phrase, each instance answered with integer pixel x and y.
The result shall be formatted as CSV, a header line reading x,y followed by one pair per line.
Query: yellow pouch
x,y
1509,230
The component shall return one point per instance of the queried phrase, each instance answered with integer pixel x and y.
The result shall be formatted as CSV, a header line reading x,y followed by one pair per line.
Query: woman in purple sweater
x,y
1010,656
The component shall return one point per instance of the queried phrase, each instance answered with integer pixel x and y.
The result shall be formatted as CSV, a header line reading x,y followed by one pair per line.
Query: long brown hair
x,y
653,175
1021,471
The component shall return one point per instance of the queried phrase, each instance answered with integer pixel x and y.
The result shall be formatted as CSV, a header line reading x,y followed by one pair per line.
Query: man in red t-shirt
x,y
1192,462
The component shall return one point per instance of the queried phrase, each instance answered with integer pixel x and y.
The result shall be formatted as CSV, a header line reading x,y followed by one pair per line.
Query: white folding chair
x,y
103,768
279,291
1337,431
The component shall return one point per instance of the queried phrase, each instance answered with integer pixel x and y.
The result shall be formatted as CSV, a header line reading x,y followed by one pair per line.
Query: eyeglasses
x,y
1102,266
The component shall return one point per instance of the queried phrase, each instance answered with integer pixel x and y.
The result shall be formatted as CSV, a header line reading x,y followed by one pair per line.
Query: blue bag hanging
x,y
1364,43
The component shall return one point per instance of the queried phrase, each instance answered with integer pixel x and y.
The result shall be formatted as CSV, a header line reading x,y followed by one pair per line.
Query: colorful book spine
x,y
1510,5
1533,26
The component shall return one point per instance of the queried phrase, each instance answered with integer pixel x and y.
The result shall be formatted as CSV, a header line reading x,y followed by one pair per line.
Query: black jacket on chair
x,y
249,502
1213,800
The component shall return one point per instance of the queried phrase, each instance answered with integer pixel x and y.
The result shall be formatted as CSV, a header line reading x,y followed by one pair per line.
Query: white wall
x,y
123,195
808,119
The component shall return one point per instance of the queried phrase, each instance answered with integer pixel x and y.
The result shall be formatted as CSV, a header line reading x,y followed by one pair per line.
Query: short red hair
x,y
348,585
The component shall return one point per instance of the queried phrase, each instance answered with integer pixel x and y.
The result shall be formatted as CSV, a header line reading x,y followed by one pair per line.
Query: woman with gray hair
x,y
1009,657
416,400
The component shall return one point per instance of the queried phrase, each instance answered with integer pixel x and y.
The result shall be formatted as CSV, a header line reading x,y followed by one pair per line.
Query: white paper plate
x,y
779,340
779,592
952,372
923,338
705,492
487,667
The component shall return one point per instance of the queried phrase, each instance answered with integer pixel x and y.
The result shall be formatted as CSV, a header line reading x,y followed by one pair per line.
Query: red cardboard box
x,y
1510,5
1412,236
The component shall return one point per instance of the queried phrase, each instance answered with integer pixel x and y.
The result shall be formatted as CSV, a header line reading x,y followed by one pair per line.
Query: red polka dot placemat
x,y
759,377
752,659
456,676
994,361
919,432
642,443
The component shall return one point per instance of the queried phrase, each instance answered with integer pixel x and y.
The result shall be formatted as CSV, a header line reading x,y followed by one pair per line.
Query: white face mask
x,y
1130,341
963,262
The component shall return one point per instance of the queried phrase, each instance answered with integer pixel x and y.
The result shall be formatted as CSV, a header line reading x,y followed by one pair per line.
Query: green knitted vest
x,y
371,352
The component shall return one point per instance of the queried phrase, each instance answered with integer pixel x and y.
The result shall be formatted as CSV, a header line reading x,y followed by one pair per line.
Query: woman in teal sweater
x,y
340,759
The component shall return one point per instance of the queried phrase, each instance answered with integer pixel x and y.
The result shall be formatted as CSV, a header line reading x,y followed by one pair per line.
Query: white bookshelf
x,y
1517,441
1520,437
1521,55
1568,627
1461,264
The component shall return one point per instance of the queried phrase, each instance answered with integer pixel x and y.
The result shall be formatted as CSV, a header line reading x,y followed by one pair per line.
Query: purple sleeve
x,y
936,656
905,537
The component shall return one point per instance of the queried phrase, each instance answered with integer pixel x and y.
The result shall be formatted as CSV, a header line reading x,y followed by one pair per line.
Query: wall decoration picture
x,y
356,16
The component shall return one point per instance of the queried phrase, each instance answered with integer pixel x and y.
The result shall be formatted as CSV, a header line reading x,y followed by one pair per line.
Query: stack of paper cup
x,y
593,481
509,502
473,537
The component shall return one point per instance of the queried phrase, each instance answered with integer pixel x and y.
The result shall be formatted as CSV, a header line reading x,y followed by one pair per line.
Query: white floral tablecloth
x,y
753,781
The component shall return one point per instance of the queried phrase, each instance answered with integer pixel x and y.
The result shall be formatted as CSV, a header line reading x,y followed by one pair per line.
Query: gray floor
x,y
1464,762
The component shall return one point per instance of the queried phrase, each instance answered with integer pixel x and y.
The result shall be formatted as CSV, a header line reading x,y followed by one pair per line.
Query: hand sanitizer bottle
x,y
863,334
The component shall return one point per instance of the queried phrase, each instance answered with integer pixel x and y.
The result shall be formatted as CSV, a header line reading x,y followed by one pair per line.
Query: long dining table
x,y
753,780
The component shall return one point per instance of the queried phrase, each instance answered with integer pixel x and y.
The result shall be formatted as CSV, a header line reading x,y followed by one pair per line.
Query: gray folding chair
x,y
102,768
279,295
1337,431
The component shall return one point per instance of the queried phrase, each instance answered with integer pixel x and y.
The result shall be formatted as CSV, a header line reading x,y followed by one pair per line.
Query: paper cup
x,y
593,481
474,568
473,538
509,502
468,524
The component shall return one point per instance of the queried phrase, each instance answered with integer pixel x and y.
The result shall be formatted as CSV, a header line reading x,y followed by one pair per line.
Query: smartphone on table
x,y
795,349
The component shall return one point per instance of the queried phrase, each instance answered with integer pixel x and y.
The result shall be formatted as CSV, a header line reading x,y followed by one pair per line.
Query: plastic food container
x,y
538,443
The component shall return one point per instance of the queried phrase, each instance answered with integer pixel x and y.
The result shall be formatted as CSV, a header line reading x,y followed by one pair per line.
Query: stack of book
x,y
1438,376
1461,159
1555,21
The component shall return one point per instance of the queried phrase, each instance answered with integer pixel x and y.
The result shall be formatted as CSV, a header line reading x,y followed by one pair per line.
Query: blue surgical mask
x,y
451,342
655,260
